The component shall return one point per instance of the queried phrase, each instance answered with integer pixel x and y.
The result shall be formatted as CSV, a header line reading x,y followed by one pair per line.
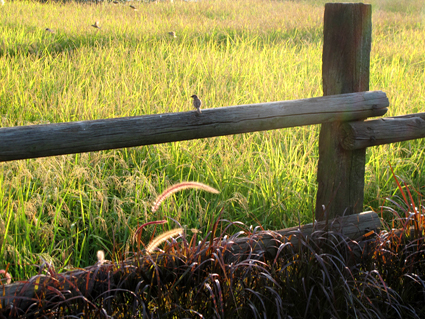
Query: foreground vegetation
x,y
64,209
324,275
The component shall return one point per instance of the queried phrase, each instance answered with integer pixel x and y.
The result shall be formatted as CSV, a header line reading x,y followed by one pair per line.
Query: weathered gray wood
x,y
346,57
358,135
76,137
352,226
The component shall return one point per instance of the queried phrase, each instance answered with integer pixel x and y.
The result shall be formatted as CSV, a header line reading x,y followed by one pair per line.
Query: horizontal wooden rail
x,y
88,280
352,226
85,136
358,135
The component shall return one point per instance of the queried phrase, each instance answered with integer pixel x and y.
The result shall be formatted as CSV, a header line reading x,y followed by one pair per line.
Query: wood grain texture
x,y
85,136
95,280
346,57
352,226
358,135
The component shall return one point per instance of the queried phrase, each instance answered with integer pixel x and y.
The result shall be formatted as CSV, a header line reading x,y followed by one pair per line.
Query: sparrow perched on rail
x,y
96,25
197,103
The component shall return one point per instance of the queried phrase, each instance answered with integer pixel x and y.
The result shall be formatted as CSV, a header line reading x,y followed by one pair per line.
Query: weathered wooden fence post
x,y
345,69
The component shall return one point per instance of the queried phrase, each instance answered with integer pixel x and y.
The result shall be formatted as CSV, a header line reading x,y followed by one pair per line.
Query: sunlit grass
x,y
66,208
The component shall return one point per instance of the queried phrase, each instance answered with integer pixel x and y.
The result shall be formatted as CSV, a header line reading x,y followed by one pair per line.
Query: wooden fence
x,y
344,134
342,111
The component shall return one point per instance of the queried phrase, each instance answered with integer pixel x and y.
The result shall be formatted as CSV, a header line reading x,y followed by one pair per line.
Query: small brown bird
x,y
50,30
133,7
96,25
172,34
197,103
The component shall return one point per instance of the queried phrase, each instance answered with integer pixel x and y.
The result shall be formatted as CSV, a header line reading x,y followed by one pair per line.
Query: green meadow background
x,y
64,209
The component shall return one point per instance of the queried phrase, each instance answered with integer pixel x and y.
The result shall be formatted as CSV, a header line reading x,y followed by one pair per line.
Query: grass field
x,y
64,209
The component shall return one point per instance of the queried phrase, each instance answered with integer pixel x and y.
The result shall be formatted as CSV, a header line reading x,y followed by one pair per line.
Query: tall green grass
x,y
65,208
308,274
